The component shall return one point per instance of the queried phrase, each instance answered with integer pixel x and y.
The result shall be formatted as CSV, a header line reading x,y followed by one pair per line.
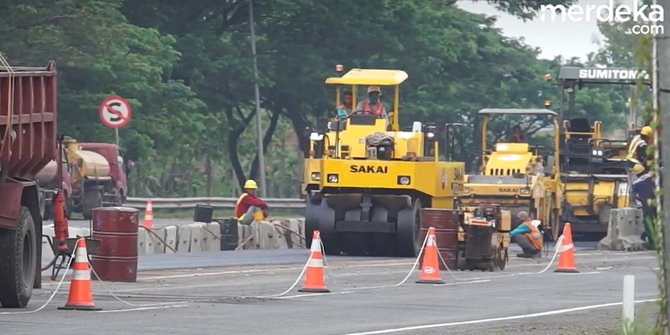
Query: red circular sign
x,y
115,112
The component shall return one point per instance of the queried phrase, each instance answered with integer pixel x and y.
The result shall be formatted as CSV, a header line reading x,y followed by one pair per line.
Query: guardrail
x,y
176,203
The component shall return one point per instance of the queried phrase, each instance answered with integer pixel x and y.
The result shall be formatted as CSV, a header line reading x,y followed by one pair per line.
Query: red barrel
x,y
446,223
116,229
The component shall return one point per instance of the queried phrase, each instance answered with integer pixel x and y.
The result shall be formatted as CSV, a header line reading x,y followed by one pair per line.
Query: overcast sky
x,y
570,39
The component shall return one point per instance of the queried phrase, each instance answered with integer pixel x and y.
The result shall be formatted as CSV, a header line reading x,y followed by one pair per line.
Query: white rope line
x,y
290,288
111,293
53,294
409,274
559,243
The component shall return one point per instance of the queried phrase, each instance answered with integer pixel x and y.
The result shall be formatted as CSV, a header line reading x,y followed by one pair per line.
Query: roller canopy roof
x,y
514,111
369,77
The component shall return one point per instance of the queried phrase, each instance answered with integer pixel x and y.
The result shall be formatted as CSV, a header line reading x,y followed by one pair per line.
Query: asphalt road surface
x,y
237,293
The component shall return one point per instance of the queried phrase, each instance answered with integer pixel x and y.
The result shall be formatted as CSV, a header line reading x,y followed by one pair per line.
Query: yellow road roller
x,y
366,181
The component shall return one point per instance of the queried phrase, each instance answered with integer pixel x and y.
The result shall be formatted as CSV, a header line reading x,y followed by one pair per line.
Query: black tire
x,y
18,261
67,206
92,199
408,233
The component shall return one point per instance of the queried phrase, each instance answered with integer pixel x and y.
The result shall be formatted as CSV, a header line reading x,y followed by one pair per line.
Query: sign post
x,y
115,112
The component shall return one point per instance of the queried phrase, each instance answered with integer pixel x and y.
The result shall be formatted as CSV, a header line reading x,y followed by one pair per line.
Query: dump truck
x,y
594,171
28,144
366,181
507,176
98,175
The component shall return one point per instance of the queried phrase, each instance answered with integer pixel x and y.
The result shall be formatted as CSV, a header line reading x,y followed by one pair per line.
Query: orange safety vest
x,y
244,194
534,235
367,109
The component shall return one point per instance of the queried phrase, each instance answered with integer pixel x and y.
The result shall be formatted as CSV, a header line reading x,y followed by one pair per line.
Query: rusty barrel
x,y
446,223
116,229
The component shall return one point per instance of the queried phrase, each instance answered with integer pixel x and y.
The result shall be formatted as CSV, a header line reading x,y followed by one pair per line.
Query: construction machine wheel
x,y
18,260
408,237
92,199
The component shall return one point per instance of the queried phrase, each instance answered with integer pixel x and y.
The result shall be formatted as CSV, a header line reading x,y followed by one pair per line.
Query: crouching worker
x,y
527,236
250,208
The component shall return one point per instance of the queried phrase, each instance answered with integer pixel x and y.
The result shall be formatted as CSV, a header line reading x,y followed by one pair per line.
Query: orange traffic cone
x,y
314,281
149,215
566,252
430,270
81,295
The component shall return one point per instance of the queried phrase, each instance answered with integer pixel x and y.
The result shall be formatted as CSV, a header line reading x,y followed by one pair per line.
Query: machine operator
x,y
345,108
372,105
250,208
527,236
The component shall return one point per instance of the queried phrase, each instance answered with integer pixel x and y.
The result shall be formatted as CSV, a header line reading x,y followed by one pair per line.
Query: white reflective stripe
x,y
149,216
81,275
431,241
565,247
315,263
316,245
81,256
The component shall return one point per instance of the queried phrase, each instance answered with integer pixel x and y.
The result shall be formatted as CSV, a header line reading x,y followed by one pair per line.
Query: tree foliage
x,y
186,68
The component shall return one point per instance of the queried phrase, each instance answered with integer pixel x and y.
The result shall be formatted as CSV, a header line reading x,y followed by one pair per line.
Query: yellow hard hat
x,y
374,89
250,184
637,168
646,131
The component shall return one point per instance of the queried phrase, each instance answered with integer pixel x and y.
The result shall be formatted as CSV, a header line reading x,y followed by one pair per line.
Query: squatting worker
x,y
643,187
527,236
248,206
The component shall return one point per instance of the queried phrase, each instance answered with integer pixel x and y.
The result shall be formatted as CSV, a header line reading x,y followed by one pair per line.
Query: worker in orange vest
x,y
527,236
250,208
372,105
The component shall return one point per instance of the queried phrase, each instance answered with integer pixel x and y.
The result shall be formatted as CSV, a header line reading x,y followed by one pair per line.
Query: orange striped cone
x,y
314,281
430,271
149,215
566,252
81,295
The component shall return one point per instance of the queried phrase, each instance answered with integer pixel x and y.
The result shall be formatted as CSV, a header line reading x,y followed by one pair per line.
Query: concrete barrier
x,y
277,233
183,238
170,239
142,238
212,239
197,236
624,229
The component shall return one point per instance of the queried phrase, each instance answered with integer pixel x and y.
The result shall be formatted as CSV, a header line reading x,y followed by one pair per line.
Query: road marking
x,y
506,318
464,283
311,295
140,309
190,275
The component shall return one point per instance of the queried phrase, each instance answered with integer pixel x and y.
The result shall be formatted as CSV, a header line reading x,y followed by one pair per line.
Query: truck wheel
x,y
67,206
18,262
408,233
92,199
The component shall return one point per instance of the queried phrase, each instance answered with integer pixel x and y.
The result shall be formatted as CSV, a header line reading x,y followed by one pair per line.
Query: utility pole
x,y
259,126
661,64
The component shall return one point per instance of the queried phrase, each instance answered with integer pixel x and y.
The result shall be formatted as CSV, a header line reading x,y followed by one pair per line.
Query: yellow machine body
x,y
515,177
594,176
365,181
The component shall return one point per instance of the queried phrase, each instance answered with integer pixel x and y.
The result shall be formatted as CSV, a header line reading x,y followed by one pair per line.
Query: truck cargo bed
x,y
31,117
